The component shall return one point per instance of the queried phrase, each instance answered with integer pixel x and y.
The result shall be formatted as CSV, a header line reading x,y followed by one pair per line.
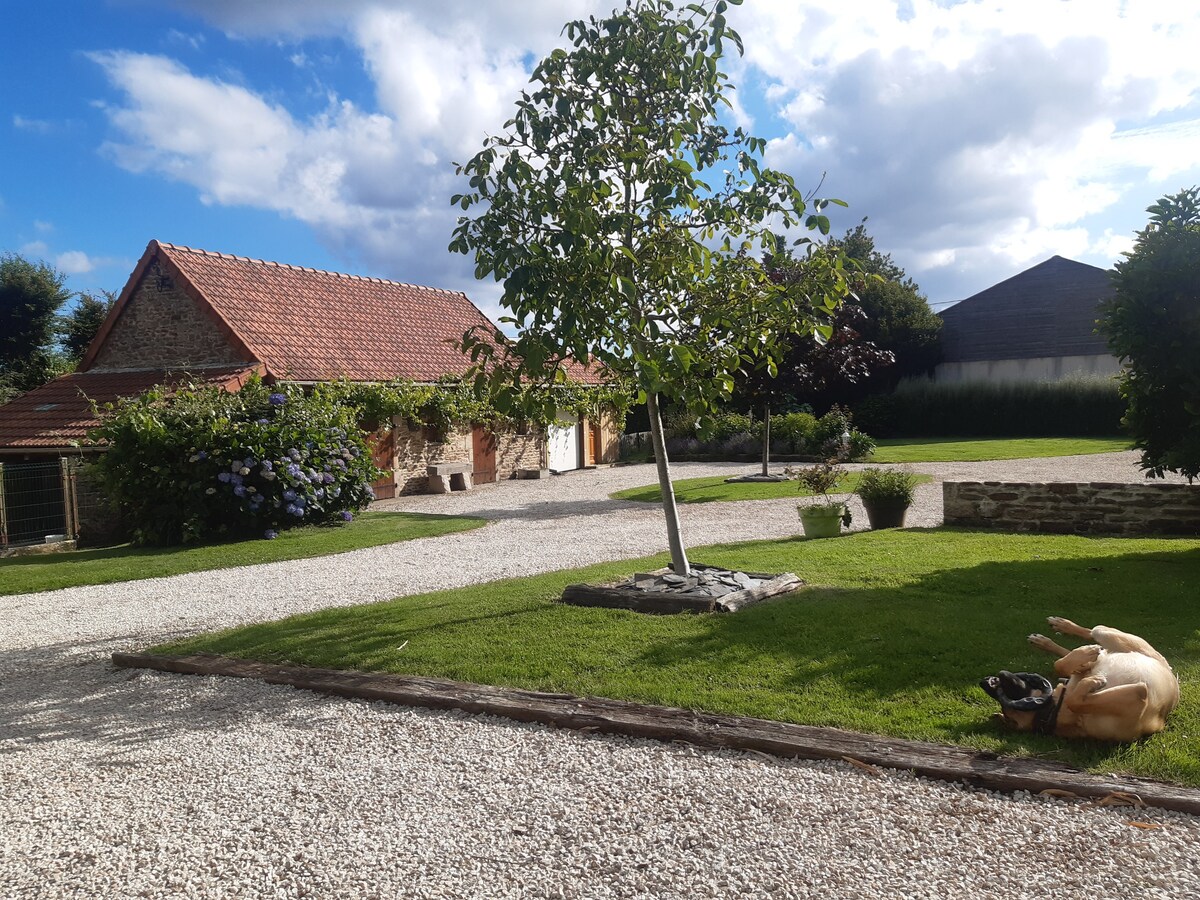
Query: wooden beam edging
x,y
784,739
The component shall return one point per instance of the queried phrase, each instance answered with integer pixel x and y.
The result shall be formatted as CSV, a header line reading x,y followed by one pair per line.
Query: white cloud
x,y
74,262
33,126
977,136
34,248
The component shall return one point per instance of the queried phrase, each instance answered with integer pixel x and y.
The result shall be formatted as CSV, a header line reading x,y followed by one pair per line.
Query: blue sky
x,y
979,138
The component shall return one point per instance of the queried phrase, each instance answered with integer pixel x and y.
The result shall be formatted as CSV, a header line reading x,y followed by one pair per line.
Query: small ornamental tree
x,y
624,219
1153,327
203,463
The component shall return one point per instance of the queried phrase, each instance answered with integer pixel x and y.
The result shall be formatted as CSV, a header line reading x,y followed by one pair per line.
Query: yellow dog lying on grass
x,y
1118,688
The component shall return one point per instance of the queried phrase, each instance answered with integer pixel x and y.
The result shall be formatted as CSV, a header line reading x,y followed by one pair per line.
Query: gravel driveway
x,y
132,784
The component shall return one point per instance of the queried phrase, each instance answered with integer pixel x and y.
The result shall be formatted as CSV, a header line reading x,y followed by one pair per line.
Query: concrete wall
x,y
1045,368
1096,507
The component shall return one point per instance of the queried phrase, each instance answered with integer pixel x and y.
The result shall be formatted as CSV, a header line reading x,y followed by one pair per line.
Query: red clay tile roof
x,y
57,415
312,325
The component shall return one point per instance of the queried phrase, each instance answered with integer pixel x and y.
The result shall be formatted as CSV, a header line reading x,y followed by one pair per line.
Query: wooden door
x,y
483,455
383,453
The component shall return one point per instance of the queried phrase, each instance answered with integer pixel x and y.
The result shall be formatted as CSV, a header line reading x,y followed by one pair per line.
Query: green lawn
x,y
906,450
893,638
22,575
716,490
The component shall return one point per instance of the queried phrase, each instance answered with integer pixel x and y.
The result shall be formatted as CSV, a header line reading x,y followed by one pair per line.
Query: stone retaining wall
x,y
1065,508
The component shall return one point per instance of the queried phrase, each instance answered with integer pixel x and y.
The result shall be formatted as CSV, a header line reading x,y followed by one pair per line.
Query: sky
x,y
978,137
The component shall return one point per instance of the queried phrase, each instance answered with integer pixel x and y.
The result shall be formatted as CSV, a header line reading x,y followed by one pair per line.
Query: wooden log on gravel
x,y
785,739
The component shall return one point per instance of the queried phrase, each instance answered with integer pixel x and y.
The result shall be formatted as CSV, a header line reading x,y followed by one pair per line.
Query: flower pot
x,y
822,521
886,513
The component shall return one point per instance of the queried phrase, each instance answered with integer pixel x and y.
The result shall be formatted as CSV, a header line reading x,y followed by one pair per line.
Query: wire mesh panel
x,y
33,502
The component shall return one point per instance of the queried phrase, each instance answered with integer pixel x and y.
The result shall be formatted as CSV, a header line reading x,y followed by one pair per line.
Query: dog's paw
x,y
1059,624
1042,642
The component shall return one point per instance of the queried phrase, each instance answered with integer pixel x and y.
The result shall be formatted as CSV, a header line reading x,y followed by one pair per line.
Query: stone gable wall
x,y
163,330
1086,508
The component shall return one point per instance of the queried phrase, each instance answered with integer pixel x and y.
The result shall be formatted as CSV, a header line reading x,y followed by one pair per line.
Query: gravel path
x,y
132,784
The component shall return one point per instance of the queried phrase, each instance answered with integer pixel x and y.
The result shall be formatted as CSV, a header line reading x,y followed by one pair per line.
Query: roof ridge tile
x,y
182,248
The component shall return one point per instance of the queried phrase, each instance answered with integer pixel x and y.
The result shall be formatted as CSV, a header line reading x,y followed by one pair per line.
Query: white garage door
x,y
563,445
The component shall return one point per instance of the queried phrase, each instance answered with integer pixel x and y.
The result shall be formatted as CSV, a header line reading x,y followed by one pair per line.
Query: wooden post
x,y
766,469
3,511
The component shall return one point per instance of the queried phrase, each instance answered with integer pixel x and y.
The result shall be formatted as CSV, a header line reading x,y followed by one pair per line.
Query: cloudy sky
x,y
979,138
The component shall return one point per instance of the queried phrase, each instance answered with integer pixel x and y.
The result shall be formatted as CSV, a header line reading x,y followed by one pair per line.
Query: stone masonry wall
x,y
163,329
518,451
1088,508
414,452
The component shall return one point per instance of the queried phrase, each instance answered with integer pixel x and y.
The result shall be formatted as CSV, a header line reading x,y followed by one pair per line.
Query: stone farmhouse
x,y
1039,325
205,316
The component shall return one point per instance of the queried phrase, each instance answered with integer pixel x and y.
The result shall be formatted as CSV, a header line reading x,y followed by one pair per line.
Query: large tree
x,y
625,219
1153,327
30,297
897,316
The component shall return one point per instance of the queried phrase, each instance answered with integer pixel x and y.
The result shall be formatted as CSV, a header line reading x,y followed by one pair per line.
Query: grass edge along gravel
x,y
891,639
952,449
715,489
107,565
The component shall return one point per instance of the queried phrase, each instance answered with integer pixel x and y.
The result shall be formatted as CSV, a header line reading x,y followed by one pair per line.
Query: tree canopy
x,y
1153,327
897,317
624,218
77,327
30,297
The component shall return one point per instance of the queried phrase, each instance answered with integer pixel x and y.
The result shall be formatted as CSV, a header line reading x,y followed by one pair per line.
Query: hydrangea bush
x,y
203,463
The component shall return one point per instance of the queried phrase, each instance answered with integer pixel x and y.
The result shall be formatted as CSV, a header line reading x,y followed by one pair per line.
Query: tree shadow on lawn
x,y
907,659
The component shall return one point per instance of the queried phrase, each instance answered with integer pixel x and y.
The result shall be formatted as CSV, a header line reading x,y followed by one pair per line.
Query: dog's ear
x,y
1034,683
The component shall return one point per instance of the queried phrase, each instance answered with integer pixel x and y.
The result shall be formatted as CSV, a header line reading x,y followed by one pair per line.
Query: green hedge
x,y
1077,407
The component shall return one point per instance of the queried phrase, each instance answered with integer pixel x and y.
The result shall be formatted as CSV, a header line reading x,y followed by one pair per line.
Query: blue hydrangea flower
x,y
267,466
289,494
277,399
249,462
270,534
262,421
202,455
294,454
319,493
239,490
293,470
347,515
223,476
328,478
235,478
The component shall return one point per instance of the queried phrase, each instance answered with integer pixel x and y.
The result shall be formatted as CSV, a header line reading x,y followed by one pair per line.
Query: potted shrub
x,y
820,514
886,495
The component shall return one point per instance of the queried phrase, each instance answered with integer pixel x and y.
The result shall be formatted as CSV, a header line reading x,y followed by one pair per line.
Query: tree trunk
x,y
679,560
766,470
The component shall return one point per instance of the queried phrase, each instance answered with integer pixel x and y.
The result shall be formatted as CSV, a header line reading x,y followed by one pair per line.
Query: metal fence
x,y
36,501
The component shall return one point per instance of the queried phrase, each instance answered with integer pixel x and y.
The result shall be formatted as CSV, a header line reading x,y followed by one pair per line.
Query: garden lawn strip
x,y
45,572
951,449
716,489
891,640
